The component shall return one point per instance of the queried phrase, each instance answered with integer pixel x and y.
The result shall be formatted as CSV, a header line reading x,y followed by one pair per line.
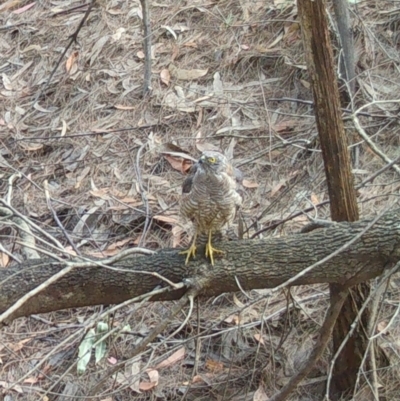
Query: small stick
x,y
147,47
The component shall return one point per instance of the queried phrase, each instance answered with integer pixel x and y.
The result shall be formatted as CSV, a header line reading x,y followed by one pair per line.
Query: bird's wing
x,y
234,173
187,184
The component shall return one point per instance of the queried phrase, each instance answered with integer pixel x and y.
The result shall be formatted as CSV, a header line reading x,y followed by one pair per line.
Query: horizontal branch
x,y
254,264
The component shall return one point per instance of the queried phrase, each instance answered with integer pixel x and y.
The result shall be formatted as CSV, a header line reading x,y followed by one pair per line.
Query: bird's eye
x,y
212,160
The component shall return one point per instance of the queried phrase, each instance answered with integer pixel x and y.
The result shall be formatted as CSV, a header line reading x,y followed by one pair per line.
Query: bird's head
x,y
212,161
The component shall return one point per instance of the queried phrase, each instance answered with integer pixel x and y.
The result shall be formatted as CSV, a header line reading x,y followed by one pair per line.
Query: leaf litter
x,y
215,68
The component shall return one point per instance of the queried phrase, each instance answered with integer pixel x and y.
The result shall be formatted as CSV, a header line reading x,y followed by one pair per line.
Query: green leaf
x,y
85,351
101,347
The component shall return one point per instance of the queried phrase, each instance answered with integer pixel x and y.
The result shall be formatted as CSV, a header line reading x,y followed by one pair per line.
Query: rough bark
x,y
256,264
328,114
340,182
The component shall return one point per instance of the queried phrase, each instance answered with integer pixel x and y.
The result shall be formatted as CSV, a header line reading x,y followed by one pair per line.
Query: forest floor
x,y
227,75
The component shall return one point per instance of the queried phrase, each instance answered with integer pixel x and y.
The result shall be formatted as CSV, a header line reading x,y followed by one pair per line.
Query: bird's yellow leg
x,y
191,251
210,250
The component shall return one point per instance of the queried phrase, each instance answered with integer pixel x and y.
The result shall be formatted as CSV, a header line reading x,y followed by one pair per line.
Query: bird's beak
x,y
202,159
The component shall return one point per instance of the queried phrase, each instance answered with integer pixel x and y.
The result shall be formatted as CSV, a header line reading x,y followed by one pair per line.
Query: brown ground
x,y
108,156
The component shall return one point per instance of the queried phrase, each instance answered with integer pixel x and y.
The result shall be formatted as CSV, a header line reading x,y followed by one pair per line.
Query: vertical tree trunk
x,y
347,64
341,190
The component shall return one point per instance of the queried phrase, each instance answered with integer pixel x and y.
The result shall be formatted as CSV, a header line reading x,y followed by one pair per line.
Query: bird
x,y
210,199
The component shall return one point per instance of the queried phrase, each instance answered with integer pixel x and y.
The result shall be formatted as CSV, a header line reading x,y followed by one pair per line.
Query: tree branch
x,y
255,264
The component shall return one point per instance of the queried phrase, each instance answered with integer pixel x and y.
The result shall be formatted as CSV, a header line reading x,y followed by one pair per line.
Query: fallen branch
x,y
255,264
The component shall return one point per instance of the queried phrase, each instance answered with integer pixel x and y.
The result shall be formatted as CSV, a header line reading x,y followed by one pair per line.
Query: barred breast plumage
x,y
209,198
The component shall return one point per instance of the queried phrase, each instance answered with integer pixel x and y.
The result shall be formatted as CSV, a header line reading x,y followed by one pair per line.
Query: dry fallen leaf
x,y
176,236
4,259
174,150
258,338
166,219
119,244
31,380
71,61
146,386
172,359
260,395
233,319
250,184
24,8
70,250
203,146
122,107
381,326
197,379
97,48
153,376
186,75
31,147
15,387
100,193
132,374
179,163
214,366
277,188
165,76
19,345
191,44
285,126
314,199
9,4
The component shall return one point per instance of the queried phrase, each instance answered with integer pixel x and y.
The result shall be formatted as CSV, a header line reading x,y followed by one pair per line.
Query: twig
x,y
354,325
57,220
103,338
24,230
147,47
69,10
347,64
377,173
335,253
69,340
49,254
316,224
9,254
36,290
241,289
32,224
89,325
311,103
284,144
371,144
73,39
151,336
69,267
87,262
372,324
310,209
197,342
143,195
324,338
29,242
10,186
128,252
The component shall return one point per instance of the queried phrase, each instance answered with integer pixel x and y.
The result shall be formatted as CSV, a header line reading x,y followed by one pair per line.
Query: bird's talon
x,y
210,251
189,252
